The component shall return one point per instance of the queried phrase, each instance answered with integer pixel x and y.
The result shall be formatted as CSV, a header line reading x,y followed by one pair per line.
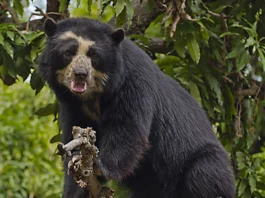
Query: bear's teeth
x,y
78,87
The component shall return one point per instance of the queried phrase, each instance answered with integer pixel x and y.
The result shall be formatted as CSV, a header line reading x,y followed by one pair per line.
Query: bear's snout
x,y
80,73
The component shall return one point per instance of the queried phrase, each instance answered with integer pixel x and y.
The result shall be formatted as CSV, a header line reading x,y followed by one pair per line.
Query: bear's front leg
x,y
121,148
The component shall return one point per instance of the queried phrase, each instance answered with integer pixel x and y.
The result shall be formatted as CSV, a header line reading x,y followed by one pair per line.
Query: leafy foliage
x,y
27,165
18,53
217,52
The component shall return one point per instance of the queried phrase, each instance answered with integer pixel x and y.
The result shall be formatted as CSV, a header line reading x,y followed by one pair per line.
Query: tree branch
x,y
141,20
158,45
53,6
5,6
81,166
143,16
256,90
52,11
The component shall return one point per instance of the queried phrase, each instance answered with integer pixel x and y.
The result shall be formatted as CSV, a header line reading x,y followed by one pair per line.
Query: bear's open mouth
x,y
78,86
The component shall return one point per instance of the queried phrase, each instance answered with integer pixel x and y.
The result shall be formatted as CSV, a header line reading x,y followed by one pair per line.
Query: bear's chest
x,y
91,109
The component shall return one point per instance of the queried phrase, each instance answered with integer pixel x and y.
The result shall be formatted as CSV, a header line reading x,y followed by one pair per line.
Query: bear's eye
x,y
92,53
68,54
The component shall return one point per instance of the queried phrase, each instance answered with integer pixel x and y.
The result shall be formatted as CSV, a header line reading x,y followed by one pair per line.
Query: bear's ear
x,y
118,35
50,27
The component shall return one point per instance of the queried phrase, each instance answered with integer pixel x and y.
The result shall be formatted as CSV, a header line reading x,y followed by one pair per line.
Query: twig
x,y
213,13
252,91
228,80
256,96
39,14
176,11
237,120
237,134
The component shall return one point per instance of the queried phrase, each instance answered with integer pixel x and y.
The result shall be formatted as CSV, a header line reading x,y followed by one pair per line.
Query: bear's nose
x,y
80,73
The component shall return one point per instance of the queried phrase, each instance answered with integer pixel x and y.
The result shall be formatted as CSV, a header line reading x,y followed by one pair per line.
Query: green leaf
x,y
242,60
121,18
215,86
247,193
50,109
18,7
205,33
261,39
1,39
89,4
194,49
195,6
221,8
36,82
119,7
179,46
195,92
99,6
250,140
250,41
19,40
78,3
256,163
254,49
32,36
33,53
229,34
56,138
27,2
229,104
9,49
140,37
9,64
240,48
253,26
242,187
62,5
217,54
130,11
154,29
248,30
262,58
10,35
241,160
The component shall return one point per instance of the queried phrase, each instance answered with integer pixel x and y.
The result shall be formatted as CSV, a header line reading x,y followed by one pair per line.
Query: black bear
x,y
152,135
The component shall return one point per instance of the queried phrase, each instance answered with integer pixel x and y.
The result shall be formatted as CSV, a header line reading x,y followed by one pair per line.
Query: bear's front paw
x,y
109,169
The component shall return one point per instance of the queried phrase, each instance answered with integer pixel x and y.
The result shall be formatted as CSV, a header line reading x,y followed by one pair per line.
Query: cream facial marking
x,y
84,44
95,81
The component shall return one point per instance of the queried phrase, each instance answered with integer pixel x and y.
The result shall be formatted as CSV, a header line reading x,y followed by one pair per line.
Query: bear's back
x,y
179,127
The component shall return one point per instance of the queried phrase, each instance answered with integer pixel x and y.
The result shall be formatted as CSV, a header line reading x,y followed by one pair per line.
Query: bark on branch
x,y
256,90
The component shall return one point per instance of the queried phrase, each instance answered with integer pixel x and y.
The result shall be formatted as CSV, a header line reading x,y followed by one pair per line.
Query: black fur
x,y
151,134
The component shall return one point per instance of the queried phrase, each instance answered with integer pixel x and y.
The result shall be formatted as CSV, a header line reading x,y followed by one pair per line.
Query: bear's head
x,y
82,56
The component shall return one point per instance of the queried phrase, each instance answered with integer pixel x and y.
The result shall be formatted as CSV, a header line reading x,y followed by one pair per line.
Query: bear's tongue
x,y
78,86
